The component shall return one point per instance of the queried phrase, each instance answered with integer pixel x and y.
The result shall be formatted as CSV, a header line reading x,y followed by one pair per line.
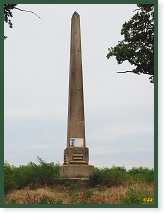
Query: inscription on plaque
x,y
78,142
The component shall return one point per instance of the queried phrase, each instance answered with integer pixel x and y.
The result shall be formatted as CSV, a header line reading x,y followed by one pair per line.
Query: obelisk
x,y
76,154
76,123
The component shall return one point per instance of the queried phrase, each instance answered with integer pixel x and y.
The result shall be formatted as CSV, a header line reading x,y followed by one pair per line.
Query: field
x,y
40,184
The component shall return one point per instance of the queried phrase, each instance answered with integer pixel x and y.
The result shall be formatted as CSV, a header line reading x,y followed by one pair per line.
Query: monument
x,y
76,154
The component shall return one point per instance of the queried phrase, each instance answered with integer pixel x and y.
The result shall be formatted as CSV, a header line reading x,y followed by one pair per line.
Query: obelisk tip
x,y
75,14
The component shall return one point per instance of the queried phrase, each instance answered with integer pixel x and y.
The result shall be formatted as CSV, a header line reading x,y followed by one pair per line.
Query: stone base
x,y
76,155
76,171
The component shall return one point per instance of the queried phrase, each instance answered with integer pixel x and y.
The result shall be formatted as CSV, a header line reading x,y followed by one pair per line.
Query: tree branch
x,y
135,10
28,11
123,72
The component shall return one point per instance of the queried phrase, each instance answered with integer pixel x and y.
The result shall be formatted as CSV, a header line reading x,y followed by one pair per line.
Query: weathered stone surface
x,y
76,171
76,123
76,155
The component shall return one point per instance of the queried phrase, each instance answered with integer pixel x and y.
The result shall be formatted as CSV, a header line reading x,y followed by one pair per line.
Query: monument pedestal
x,y
76,171
76,155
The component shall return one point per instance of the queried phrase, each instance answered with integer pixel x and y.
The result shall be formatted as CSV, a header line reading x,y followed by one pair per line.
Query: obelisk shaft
x,y
76,122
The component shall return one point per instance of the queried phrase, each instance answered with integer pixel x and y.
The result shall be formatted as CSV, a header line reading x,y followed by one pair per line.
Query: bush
x,y
95,178
134,197
141,174
9,182
35,175
115,176
110,177
45,199
32,175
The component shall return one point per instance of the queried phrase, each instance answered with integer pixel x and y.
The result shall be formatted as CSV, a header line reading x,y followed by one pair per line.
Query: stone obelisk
x,y
76,154
76,126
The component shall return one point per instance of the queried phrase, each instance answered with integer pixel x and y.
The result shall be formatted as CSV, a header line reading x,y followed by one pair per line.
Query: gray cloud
x,y
118,108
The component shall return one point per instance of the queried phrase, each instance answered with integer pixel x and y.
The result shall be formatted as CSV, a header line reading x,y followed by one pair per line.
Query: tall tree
x,y
138,44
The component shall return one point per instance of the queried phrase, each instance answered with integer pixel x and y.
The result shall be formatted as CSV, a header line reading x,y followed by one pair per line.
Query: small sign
x,y
77,142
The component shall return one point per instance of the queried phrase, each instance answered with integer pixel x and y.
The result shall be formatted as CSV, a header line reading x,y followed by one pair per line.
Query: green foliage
x,y
141,174
119,175
138,44
32,175
45,199
114,176
95,178
133,196
110,177
8,13
13,201
35,175
9,182
70,184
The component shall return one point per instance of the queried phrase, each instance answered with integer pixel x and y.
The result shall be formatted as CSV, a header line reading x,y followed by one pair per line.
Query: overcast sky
x,y
118,107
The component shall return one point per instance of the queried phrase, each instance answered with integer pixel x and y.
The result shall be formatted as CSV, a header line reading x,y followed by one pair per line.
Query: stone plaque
x,y
77,142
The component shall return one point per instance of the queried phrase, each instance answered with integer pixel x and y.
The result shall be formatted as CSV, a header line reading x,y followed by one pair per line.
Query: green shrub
x,y
35,175
70,184
95,178
108,176
114,176
45,199
9,182
134,197
141,174
32,175
12,201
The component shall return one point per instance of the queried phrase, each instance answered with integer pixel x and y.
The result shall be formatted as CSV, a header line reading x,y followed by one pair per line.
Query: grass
x,y
40,184
131,194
